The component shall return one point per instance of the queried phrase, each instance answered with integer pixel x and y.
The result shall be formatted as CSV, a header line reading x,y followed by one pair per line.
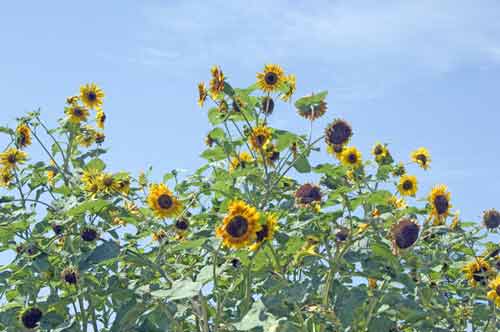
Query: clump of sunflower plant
x,y
258,238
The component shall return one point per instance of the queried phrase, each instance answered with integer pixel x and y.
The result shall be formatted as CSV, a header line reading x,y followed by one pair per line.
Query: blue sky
x,y
412,73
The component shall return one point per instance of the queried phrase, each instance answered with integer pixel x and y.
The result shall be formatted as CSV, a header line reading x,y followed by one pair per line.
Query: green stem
x,y
82,313
216,291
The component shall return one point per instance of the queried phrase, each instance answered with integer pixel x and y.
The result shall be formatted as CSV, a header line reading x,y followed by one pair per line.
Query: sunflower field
x,y
258,238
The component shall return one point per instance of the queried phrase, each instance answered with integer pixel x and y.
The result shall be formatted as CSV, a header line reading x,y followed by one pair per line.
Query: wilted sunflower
x,y
267,231
6,177
163,203
99,137
271,78
100,119
89,234
380,152
404,233
477,271
272,154
239,226
181,225
243,159
408,185
30,317
399,169
292,86
72,100
23,133
76,113
267,105
91,96
339,132
350,156
216,83
202,93
491,219
308,195
494,293
70,275
422,157
342,234
439,199
259,137
12,157
313,112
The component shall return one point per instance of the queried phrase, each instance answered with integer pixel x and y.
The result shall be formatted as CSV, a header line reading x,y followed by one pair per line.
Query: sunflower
x,y
267,105
271,78
338,132
30,317
491,219
6,177
90,181
422,157
243,159
181,225
72,100
12,157
202,93
122,183
163,203
494,293
159,235
335,150
292,86
342,234
99,137
439,199
23,134
91,96
380,152
372,283
100,118
76,113
259,137
216,83
266,233
351,156
108,184
313,112
239,226
51,172
404,233
87,137
88,234
399,169
272,154
408,185
477,271
308,195
397,203
70,275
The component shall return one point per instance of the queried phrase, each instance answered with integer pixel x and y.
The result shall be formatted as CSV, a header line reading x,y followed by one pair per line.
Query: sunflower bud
x,y
491,219
30,317
88,234
70,275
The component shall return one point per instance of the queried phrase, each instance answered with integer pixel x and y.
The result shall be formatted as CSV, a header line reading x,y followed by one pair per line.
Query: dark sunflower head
x,y
308,194
342,234
236,263
182,224
70,275
238,226
58,229
405,233
491,219
338,132
88,234
30,317
262,234
267,105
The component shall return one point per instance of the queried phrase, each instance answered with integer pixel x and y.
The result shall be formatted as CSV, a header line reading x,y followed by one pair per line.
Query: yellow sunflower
x,y
90,181
216,83
408,185
477,271
23,133
292,86
271,78
397,203
260,137
241,161
202,94
72,100
240,226
350,156
439,199
494,293
159,235
12,157
272,155
335,150
107,183
123,183
380,152
76,113
100,118
86,138
91,96
99,137
6,177
51,172
162,201
267,231
399,169
422,157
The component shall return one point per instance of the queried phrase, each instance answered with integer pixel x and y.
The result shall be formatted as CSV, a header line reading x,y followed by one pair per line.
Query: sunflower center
x,y
91,96
441,204
12,158
337,148
378,150
77,112
165,201
181,224
339,133
352,158
271,78
108,181
237,227
309,194
262,234
422,158
275,155
407,185
406,234
479,275
260,139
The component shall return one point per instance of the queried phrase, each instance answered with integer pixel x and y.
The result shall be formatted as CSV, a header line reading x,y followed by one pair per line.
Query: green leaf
x,y
302,165
258,316
311,100
96,164
181,289
91,206
103,252
6,130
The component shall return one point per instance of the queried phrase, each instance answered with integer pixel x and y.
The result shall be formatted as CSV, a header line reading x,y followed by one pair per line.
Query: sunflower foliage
x,y
259,238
